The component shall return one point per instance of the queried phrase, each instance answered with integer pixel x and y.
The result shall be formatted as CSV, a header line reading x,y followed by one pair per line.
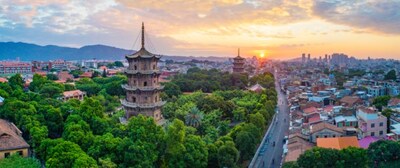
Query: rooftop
x,y
10,137
337,142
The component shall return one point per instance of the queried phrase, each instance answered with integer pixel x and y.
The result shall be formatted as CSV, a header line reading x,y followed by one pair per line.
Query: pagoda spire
x,y
142,35
239,52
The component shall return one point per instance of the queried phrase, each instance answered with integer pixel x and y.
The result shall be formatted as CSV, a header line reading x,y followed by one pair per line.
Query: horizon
x,y
279,30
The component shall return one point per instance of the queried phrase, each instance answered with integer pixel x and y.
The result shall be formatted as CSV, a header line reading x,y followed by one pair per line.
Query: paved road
x,y
278,130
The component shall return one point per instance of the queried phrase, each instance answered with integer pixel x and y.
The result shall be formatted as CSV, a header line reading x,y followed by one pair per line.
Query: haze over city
x,y
276,29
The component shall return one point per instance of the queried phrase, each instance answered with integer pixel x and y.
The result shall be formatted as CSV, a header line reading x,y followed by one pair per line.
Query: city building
x,y
238,63
143,88
7,67
11,141
339,59
371,123
73,94
324,130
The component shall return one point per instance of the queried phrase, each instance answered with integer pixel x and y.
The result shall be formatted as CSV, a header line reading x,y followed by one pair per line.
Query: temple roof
x,y
143,53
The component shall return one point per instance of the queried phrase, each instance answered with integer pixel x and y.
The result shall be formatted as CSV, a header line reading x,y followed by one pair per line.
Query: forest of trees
x,y
382,153
203,130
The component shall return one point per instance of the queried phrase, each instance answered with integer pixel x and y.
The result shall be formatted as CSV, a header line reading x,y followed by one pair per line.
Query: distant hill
x,y
28,52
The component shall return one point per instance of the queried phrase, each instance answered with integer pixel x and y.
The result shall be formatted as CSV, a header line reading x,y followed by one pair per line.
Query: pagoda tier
x,y
143,53
146,88
143,105
144,72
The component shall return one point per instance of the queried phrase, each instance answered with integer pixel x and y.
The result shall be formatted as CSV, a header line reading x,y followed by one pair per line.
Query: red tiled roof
x,y
367,110
323,125
350,100
394,101
310,110
3,80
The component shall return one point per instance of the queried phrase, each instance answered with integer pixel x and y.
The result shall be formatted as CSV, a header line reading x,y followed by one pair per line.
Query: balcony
x,y
147,88
146,72
142,105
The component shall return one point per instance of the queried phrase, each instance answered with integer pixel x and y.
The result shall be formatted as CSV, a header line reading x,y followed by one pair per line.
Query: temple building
x,y
238,63
143,88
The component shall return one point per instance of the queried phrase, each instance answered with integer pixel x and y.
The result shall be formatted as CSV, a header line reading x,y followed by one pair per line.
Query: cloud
x,y
376,15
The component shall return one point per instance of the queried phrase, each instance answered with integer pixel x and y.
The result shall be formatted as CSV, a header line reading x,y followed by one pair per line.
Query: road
x,y
279,128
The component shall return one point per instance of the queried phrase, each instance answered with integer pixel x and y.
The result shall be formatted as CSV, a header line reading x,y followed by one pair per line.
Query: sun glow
x,y
262,54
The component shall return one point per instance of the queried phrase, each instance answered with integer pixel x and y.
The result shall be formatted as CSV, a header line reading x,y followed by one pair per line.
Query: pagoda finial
x,y
238,51
142,35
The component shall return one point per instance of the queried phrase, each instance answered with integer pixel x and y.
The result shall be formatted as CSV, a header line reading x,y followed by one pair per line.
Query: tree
x,y
171,89
16,81
383,151
319,158
246,144
354,157
194,117
95,74
391,75
118,64
387,113
174,140
37,83
258,120
105,146
196,151
15,161
228,155
381,101
51,90
68,154
52,77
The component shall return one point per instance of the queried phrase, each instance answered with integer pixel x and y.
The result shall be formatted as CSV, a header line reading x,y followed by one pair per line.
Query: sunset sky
x,y
280,29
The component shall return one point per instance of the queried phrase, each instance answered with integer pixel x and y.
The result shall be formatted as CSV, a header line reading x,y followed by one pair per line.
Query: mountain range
x,y
28,52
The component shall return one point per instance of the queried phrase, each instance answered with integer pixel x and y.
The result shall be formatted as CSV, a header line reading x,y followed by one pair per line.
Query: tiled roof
x,y
337,142
394,102
350,100
10,137
256,87
72,93
323,125
367,110
310,110
364,143
3,80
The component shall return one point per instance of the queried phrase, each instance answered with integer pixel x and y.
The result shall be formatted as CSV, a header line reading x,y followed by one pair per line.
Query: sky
x,y
278,29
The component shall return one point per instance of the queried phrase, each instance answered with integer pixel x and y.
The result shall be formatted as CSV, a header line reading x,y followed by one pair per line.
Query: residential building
x,y
324,130
350,101
7,67
11,141
256,88
346,121
371,123
338,142
143,88
73,94
1,100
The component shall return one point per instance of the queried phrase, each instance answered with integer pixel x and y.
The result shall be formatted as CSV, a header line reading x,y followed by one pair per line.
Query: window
x,y
144,83
373,125
145,98
134,82
380,132
381,124
334,136
134,99
19,153
135,67
317,136
6,155
372,133
347,124
154,66
326,136
155,99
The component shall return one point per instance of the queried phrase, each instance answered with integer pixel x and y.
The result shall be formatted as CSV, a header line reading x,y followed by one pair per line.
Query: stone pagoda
x,y
143,88
238,64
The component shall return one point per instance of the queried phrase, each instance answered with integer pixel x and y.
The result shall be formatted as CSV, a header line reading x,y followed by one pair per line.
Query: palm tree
x,y
194,117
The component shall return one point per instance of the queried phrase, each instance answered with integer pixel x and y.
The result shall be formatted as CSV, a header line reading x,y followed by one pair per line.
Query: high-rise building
x,y
309,58
339,58
238,63
143,88
326,58
303,58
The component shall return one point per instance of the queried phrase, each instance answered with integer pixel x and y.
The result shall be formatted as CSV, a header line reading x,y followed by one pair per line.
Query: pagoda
x,y
143,88
238,63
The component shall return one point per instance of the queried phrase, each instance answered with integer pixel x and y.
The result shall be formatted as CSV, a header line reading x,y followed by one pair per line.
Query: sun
x,y
262,54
